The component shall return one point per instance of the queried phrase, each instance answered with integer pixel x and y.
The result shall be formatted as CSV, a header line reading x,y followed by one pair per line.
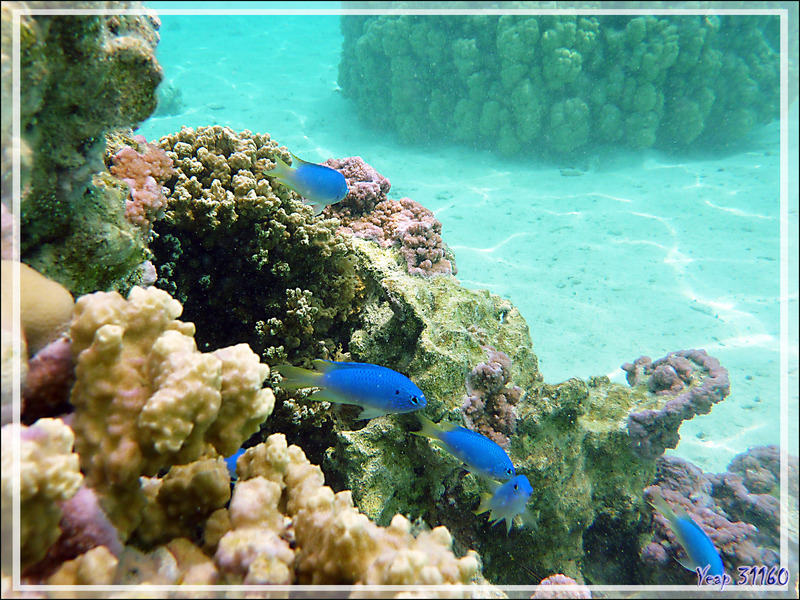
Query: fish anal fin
x,y
686,563
370,412
328,396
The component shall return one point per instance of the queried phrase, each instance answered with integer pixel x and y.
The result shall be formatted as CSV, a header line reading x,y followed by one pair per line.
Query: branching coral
x,y
410,226
368,213
235,246
489,405
144,173
695,380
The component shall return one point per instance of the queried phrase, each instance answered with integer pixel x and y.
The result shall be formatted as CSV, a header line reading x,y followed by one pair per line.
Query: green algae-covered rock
x,y
571,439
81,77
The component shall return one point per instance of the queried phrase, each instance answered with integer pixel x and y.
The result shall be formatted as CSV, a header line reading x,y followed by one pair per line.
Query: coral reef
x,y
366,188
571,441
249,257
739,511
333,542
146,399
81,78
563,83
695,380
489,405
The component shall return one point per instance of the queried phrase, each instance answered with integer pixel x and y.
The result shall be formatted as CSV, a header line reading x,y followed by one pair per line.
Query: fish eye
x,y
414,400
509,471
516,486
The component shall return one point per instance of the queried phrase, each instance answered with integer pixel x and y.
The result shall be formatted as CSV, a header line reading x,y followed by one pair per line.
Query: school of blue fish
x,y
380,391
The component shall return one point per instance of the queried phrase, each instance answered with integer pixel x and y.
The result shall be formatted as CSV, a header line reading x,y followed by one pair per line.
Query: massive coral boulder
x,y
563,83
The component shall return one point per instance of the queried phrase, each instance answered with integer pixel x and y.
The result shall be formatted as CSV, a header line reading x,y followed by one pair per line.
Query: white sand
x,y
641,253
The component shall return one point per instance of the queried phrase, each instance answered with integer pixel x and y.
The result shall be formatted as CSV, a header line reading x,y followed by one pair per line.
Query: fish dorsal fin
x,y
490,483
448,426
325,366
299,161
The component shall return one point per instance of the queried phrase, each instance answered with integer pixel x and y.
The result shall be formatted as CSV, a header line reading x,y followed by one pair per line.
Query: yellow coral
x,y
95,567
45,306
334,543
49,474
146,398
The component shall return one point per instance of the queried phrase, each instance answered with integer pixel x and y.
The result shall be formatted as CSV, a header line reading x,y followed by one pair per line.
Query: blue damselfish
x,y
318,184
481,455
698,546
508,501
230,462
378,390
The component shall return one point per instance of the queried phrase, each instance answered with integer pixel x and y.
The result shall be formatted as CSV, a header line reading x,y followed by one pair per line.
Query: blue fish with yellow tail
x,y
700,551
508,501
377,390
479,454
318,184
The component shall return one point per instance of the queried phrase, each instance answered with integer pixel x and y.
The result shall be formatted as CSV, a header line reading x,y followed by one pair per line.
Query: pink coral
x,y
84,525
722,507
144,173
51,373
366,212
695,380
489,405
412,227
550,588
366,188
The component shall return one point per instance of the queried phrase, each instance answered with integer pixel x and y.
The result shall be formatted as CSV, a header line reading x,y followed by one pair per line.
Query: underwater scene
x,y
399,299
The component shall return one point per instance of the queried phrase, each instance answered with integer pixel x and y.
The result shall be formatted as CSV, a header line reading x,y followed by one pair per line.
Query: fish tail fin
x,y
429,428
484,505
657,501
281,169
295,378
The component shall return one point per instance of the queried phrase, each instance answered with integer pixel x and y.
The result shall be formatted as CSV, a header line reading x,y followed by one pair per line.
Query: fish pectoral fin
x,y
317,207
529,519
370,412
484,505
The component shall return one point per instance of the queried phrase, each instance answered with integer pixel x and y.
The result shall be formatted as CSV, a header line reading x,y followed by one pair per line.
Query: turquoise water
x,y
608,258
